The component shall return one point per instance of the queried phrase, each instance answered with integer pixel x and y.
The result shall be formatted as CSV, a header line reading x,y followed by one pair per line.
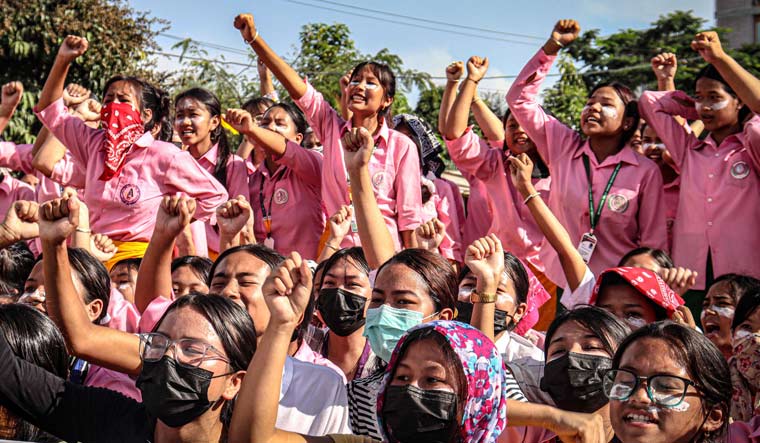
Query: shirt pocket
x,y
621,207
741,174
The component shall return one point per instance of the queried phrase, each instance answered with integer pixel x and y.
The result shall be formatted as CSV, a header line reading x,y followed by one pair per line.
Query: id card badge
x,y
587,246
269,242
354,226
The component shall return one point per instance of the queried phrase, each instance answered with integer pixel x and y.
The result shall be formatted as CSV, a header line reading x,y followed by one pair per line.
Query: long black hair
x,y
434,270
153,98
93,276
608,328
218,136
32,337
629,103
384,75
201,266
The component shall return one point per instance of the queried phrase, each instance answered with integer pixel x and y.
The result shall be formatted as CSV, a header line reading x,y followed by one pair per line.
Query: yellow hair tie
x,y
228,127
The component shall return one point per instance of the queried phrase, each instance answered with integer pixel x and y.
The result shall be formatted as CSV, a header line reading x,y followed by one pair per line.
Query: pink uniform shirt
x,y
99,377
672,192
448,207
438,207
479,214
512,221
719,202
12,190
237,184
292,199
634,213
65,172
459,214
394,168
122,314
124,208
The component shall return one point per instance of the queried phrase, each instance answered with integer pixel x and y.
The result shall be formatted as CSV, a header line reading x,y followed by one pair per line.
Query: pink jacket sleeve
x,y
16,157
237,178
658,109
306,164
472,155
80,139
653,227
407,185
186,176
550,135
318,112
68,172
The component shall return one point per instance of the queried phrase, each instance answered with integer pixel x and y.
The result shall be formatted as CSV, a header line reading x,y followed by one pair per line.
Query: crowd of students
x,y
323,282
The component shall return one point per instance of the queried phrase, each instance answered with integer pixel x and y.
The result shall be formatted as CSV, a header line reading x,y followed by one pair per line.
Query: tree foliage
x,y
327,52
32,31
566,98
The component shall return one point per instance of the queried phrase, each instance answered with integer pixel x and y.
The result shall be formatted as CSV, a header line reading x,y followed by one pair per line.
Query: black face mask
x,y
574,381
173,393
502,321
342,311
411,414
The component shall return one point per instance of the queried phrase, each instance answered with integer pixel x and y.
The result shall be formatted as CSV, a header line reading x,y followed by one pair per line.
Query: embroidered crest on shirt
x,y
281,196
129,194
378,180
617,203
740,170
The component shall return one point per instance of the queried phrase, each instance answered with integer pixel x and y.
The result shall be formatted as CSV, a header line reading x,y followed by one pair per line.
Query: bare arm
x,y
572,263
103,346
155,278
266,88
373,232
10,98
284,73
746,85
339,225
71,48
569,426
456,122
20,223
274,143
489,123
454,72
485,258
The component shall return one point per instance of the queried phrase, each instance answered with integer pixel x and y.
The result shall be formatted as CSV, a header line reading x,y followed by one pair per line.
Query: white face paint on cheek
x,y
635,322
717,106
683,407
609,112
724,312
124,287
465,293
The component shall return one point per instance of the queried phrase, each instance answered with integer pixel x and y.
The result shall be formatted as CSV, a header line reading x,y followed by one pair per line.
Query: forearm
x,y
53,89
489,123
666,84
572,263
374,234
245,149
407,240
156,278
331,247
255,413
447,101
483,313
746,85
456,122
272,142
266,87
530,414
289,78
7,237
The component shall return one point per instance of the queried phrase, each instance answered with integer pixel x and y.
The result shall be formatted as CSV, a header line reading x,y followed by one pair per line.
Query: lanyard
x,y
266,215
594,216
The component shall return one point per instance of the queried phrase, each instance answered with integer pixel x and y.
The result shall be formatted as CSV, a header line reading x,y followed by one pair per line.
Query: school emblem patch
x,y
740,170
129,194
281,196
617,203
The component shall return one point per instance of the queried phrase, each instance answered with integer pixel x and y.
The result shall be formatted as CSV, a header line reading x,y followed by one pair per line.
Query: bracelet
x,y
332,247
553,39
83,230
477,297
474,81
531,196
255,36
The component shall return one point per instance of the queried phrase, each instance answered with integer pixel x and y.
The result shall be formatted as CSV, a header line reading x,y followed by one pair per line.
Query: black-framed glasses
x,y
664,390
187,351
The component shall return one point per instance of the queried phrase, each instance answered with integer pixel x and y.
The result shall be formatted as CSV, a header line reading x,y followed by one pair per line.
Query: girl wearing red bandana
x,y
128,171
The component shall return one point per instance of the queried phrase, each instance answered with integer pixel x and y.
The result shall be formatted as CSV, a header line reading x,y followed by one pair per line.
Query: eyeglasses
x,y
187,351
663,390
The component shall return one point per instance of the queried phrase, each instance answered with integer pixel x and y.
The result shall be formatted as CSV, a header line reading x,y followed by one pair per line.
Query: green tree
x,y
566,98
327,52
31,32
624,56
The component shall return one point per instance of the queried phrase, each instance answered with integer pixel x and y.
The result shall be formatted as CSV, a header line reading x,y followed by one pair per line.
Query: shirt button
x,y
711,176
717,154
709,223
709,199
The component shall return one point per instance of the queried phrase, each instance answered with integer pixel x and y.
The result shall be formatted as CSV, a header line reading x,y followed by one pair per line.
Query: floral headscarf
x,y
485,411
745,377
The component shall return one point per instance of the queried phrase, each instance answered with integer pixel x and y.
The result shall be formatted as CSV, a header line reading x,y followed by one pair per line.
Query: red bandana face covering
x,y
123,126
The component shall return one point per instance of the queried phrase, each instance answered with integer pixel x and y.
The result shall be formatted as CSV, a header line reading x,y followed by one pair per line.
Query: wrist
x,y
551,47
452,81
7,235
474,80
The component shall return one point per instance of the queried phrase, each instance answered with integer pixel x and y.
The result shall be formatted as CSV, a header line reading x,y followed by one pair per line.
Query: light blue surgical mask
x,y
385,326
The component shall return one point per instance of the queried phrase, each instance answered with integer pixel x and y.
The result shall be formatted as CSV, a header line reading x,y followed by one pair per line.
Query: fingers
x,y
27,211
13,89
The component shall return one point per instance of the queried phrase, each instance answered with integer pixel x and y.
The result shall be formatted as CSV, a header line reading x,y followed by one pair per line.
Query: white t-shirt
x,y
312,400
582,294
512,347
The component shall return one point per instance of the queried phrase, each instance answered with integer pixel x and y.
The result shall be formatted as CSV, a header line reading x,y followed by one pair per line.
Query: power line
x,y
434,22
413,25
208,44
